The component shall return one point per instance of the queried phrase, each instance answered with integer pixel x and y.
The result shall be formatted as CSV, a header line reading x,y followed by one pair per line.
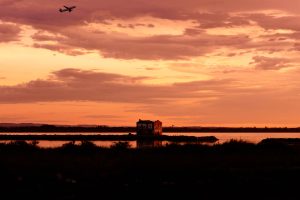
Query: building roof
x,y
148,121
145,121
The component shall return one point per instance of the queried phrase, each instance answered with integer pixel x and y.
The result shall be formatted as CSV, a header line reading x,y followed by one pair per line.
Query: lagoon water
x,y
223,137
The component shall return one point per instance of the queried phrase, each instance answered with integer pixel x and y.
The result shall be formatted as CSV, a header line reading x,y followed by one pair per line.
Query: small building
x,y
148,127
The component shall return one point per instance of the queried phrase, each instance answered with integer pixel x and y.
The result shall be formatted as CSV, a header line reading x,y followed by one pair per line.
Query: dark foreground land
x,y
234,170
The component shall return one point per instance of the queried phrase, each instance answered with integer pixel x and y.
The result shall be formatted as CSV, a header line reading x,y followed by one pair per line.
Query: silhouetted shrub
x,y
277,145
236,146
21,145
70,146
120,145
34,143
87,146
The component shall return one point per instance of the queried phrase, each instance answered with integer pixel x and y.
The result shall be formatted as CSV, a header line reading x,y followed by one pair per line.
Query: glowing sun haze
x,y
192,62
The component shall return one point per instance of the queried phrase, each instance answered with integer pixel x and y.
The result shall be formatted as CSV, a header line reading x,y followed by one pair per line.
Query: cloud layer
x,y
76,34
194,60
9,32
83,85
219,101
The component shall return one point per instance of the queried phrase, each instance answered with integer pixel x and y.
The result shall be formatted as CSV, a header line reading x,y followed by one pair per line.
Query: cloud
x,y
151,68
68,35
133,26
168,47
267,63
44,36
9,32
254,98
275,22
84,85
61,48
93,10
247,102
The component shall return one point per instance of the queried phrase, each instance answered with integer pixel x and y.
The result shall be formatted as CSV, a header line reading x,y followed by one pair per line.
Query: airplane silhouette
x,y
66,8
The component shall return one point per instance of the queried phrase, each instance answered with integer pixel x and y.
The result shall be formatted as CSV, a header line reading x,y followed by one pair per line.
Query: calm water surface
x,y
223,137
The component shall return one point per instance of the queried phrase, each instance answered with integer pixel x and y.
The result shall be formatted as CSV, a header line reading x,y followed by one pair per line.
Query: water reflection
x,y
223,137
106,144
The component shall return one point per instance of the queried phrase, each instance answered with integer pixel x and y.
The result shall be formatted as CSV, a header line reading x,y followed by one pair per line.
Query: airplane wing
x,y
66,8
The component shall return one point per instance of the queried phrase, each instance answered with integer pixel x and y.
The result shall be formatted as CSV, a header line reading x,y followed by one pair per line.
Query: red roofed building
x,y
148,127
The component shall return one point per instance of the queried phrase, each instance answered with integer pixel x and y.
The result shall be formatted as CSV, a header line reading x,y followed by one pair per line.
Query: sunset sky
x,y
187,63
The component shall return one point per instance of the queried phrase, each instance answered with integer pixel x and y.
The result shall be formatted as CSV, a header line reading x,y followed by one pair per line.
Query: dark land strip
x,y
129,137
99,129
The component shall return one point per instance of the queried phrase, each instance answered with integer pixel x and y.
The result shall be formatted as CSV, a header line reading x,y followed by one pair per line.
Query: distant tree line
x,y
53,128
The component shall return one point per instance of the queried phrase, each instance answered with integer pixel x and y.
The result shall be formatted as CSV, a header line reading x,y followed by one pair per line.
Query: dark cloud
x,y
193,31
149,48
94,10
275,22
42,36
83,85
9,32
296,47
209,13
60,48
213,101
133,26
220,19
267,63
194,42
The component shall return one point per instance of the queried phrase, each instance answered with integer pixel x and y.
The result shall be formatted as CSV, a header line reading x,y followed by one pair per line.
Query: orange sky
x,y
192,62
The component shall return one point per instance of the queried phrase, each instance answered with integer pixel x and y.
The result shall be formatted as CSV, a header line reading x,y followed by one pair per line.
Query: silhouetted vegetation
x,y
120,145
235,169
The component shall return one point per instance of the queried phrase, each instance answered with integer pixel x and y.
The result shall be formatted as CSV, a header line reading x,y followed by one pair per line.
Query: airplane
x,y
66,8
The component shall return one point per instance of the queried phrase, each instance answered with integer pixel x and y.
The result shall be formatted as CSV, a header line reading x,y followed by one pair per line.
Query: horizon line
x,y
24,124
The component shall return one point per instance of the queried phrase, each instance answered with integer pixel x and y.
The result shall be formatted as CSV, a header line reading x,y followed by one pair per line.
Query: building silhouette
x,y
148,127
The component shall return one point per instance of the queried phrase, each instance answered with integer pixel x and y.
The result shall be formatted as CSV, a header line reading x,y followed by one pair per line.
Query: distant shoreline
x,y
129,137
99,129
